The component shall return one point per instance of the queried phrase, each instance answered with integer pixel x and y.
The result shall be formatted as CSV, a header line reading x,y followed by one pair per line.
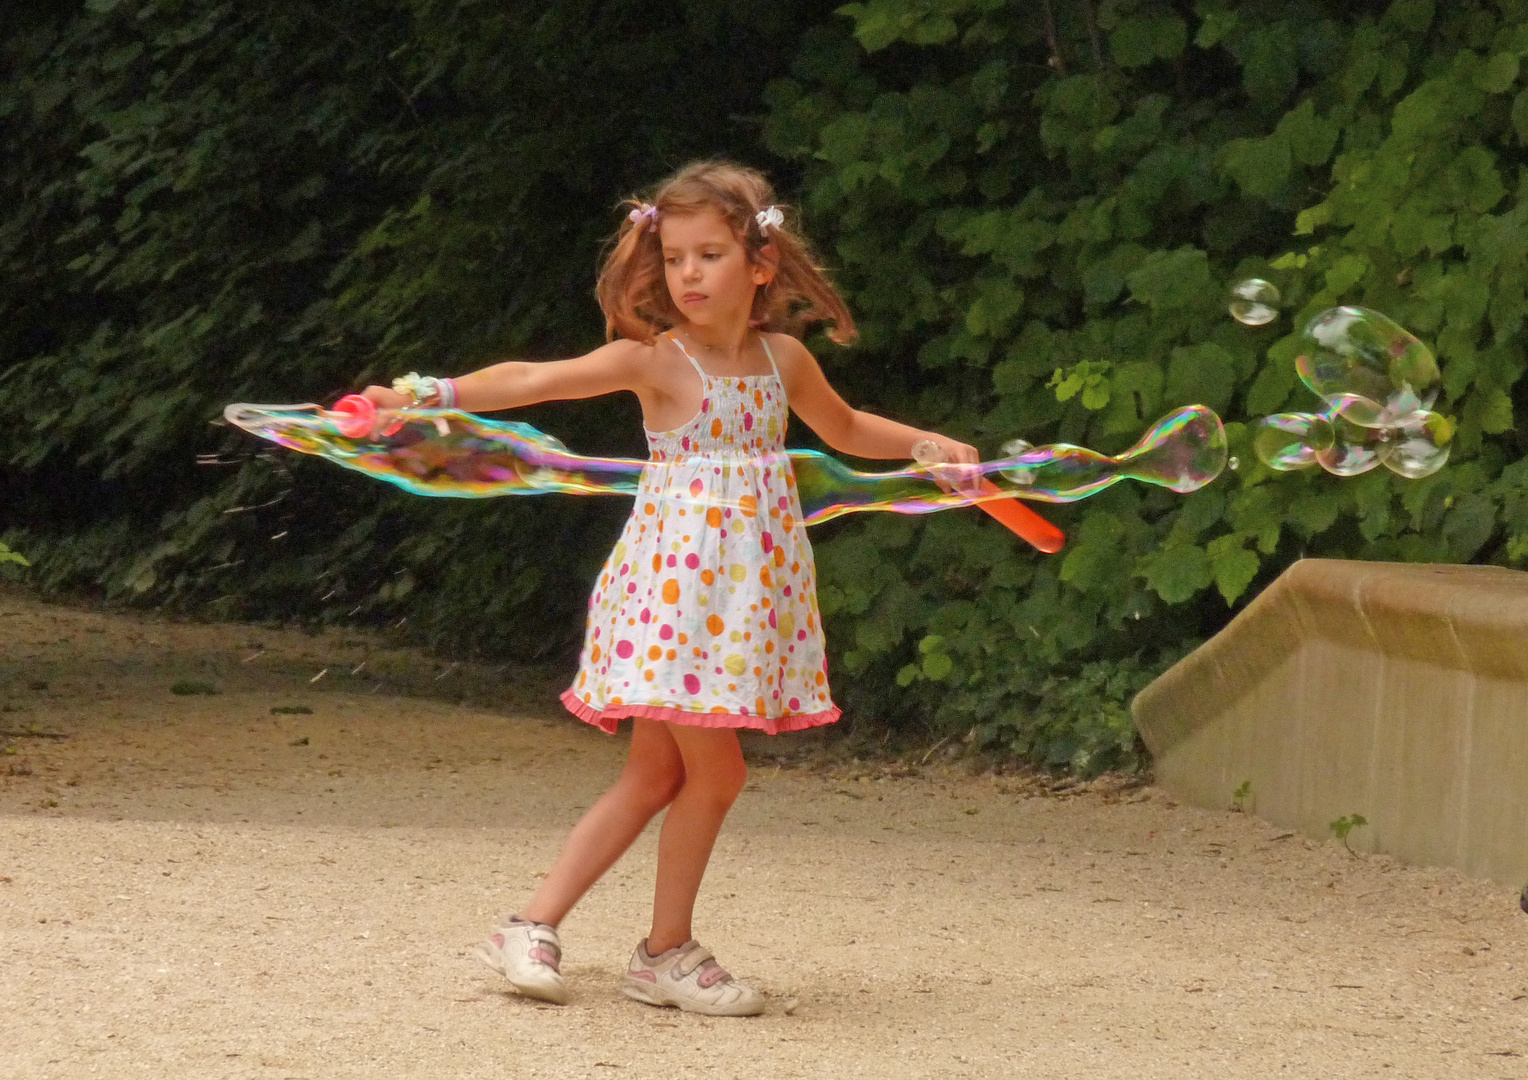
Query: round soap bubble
x,y
1254,302
1286,441
1366,366
1421,448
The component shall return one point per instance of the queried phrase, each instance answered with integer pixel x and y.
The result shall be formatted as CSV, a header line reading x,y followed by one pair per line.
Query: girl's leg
x,y
654,773
714,774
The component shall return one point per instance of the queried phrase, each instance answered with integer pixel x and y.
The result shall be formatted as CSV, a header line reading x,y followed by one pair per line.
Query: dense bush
x,y
1035,210
1038,209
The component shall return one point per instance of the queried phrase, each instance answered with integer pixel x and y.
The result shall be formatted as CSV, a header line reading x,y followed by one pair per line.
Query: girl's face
x,y
709,276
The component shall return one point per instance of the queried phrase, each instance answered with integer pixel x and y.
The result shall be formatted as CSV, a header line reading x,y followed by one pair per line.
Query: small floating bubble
x,y
1254,302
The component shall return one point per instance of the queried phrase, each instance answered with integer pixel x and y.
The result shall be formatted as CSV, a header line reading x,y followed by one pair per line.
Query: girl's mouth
x,y
693,297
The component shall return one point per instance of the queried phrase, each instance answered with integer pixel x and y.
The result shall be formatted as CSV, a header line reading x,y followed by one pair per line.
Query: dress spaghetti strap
x,y
764,341
693,362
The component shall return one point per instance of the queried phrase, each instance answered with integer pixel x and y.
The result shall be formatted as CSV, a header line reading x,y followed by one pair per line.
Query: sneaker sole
x,y
652,994
555,993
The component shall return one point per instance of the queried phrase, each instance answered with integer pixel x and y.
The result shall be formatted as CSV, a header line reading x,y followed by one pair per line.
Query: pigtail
x,y
799,292
630,288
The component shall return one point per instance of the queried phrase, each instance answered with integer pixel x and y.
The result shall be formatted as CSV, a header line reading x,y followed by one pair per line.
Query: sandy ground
x,y
196,885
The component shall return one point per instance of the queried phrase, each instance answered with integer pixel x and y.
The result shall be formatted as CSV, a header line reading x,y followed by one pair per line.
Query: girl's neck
x,y
728,346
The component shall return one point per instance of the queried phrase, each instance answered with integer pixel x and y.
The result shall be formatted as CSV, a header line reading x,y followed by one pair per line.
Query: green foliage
x,y
13,557
210,203
1240,796
1036,210
1347,823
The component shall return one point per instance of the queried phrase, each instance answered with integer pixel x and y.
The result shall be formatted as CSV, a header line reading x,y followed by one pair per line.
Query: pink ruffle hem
x,y
609,718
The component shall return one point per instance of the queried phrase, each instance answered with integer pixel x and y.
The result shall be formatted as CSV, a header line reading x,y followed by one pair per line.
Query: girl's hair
x,y
634,295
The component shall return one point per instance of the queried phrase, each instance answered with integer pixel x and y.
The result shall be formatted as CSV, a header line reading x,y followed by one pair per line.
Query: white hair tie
x,y
769,217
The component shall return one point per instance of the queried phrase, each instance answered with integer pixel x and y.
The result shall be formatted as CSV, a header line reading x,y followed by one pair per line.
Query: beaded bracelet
x,y
426,391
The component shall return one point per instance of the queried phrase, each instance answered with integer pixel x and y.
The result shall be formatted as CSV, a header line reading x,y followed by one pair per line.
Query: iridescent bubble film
x,y
1377,382
450,453
1366,365
1254,302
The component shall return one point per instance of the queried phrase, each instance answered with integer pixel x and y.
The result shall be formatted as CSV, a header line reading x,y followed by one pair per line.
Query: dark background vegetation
x,y
1035,210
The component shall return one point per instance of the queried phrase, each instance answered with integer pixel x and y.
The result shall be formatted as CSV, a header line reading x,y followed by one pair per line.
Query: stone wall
x,y
1392,690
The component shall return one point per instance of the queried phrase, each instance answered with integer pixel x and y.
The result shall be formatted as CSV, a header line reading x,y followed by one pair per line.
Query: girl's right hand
x,y
385,397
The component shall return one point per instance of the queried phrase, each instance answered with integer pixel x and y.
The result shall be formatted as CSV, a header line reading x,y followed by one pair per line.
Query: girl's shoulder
x,y
790,355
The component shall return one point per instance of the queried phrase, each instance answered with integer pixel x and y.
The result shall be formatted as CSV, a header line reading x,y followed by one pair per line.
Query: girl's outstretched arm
x,y
846,429
616,366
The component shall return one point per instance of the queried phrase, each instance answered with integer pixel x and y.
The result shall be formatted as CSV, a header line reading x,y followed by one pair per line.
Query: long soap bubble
x,y
1377,382
445,452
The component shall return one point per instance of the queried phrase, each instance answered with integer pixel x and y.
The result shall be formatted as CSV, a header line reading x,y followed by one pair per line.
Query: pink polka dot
x,y
692,684
647,615
794,704
666,631
631,587
623,649
748,421
697,486
672,560
800,635
769,543
692,561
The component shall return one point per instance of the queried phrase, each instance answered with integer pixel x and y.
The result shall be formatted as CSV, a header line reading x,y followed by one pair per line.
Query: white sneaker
x,y
688,977
529,955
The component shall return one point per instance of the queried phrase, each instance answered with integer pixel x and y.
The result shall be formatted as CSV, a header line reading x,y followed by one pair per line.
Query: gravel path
x,y
194,886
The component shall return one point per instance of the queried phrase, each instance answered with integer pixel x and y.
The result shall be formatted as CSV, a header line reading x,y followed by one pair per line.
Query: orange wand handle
x,y
1022,521
1014,515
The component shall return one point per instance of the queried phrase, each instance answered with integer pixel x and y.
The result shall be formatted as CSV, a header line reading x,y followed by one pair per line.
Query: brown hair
x,y
634,295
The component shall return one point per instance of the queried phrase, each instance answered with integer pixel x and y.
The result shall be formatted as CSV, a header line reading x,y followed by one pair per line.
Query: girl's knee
x,y
720,786
653,789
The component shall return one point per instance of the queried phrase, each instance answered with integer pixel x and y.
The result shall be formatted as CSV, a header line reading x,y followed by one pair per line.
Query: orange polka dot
x,y
649,675
671,591
821,678
655,653
657,563
684,639
779,556
594,656
719,709
708,576
673,654
715,624
758,705
716,431
788,523
649,509
713,517
764,577
748,505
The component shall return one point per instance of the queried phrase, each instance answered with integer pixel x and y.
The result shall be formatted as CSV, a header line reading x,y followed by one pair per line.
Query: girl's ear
x,y
766,264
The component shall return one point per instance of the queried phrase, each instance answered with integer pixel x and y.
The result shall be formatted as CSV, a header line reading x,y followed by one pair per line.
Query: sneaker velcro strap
x,y
694,959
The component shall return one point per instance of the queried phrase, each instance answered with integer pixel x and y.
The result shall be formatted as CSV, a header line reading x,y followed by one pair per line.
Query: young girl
x,y
704,619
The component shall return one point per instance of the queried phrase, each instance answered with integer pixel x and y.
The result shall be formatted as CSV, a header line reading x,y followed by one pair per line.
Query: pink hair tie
x,y
769,217
643,216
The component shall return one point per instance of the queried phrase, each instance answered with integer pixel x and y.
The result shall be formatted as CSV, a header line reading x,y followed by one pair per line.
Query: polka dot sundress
x,y
706,611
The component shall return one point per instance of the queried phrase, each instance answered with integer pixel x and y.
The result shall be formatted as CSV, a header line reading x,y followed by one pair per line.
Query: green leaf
x,y
1177,572
1495,415
1235,566
937,666
1260,167
1171,279
1497,74
1138,42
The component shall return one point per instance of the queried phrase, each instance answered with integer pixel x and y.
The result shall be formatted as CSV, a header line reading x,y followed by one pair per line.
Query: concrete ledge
x,y
1393,690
